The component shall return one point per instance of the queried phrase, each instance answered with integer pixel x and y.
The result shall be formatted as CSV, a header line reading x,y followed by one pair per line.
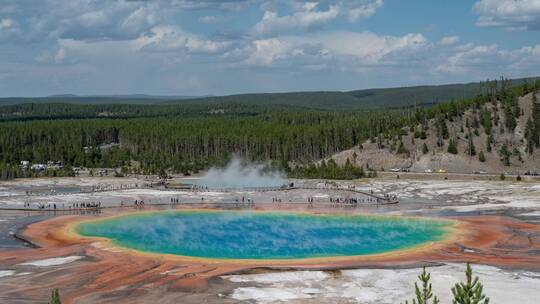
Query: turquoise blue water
x,y
264,235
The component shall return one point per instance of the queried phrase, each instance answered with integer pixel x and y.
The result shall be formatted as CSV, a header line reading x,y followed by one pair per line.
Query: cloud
x,y
307,15
103,46
356,10
346,49
6,24
209,19
470,58
140,19
8,27
508,14
171,38
482,59
94,19
307,18
128,19
102,19
232,5
266,51
80,19
449,40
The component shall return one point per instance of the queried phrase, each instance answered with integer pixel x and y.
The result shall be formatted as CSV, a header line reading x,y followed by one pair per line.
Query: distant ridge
x,y
129,96
97,99
399,97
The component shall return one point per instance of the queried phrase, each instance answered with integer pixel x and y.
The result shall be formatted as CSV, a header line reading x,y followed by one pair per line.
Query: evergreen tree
x,y
55,297
425,149
162,174
485,115
423,134
424,294
529,135
471,149
401,149
328,170
452,146
511,111
536,120
505,155
469,292
489,140
442,130
481,156
526,87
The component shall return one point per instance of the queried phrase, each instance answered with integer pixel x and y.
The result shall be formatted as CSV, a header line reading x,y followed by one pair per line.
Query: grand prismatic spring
x,y
264,235
203,251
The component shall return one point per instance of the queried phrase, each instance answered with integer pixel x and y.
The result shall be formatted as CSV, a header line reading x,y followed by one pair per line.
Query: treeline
x,y
11,171
190,144
191,137
73,107
48,111
42,111
330,170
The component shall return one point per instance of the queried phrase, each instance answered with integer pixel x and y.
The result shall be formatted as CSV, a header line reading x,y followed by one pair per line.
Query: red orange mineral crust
x,y
108,271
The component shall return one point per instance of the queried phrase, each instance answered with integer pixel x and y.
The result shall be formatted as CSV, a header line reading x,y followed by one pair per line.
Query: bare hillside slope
x,y
419,154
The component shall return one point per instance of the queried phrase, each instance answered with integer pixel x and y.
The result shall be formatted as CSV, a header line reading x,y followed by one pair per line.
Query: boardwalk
x,y
238,197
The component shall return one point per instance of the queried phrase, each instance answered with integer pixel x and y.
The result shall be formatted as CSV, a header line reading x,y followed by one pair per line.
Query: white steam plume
x,y
239,174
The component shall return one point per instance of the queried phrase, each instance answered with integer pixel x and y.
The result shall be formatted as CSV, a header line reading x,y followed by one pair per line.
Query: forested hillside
x,y
370,99
189,144
185,138
47,111
105,99
353,100
493,133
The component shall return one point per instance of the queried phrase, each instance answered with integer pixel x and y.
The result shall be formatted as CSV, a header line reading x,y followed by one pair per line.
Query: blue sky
x,y
188,47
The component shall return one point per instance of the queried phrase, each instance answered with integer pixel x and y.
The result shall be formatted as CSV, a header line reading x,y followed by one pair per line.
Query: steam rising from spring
x,y
240,174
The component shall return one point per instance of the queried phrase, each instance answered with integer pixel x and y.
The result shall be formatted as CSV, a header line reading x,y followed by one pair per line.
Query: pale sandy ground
x,y
152,196
456,195
13,194
367,286
53,261
371,286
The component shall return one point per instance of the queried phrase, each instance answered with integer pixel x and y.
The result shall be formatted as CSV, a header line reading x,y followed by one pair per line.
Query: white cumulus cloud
x,y
170,38
493,60
508,14
6,23
449,40
347,49
356,10
309,15
305,19
8,27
